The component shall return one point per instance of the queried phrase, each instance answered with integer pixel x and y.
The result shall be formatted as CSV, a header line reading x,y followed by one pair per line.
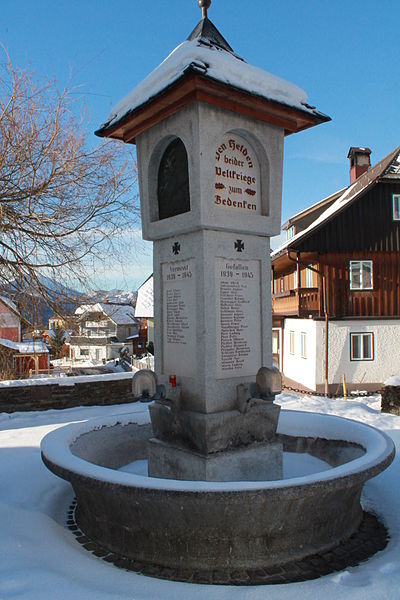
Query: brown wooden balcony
x,y
296,303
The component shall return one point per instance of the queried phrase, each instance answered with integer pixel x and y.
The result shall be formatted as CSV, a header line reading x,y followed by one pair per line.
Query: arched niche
x,y
173,194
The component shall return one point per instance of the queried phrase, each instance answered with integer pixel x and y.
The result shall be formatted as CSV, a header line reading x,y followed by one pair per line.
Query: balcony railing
x,y
299,303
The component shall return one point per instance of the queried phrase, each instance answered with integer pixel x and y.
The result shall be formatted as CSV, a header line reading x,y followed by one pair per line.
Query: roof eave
x,y
192,86
295,247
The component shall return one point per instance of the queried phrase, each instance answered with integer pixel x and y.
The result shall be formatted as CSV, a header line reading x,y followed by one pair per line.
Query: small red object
x,y
172,380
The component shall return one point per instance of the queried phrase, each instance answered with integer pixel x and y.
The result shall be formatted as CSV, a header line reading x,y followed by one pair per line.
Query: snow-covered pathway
x,y
40,558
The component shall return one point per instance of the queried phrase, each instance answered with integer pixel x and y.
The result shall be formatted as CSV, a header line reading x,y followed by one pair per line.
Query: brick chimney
x,y
359,162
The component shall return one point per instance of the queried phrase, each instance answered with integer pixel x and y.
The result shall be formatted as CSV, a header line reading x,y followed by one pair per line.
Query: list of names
x,y
238,317
179,318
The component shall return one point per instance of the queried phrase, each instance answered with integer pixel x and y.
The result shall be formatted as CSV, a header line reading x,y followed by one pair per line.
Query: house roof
x,y
145,300
386,169
207,54
314,207
25,347
10,304
120,314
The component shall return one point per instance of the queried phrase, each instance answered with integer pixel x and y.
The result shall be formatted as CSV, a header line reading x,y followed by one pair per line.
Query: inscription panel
x,y
237,176
179,318
238,317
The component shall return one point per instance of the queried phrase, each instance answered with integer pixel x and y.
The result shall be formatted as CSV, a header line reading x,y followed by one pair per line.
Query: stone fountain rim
x,y
379,453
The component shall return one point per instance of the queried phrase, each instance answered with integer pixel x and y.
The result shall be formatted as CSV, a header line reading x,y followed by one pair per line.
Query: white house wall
x,y
386,361
302,370
93,355
150,330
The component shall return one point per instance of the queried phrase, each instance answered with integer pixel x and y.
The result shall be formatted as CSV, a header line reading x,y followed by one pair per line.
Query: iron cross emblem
x,y
176,248
239,246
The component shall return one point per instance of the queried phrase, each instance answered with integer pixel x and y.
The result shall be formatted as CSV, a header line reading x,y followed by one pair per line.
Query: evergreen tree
x,y
57,342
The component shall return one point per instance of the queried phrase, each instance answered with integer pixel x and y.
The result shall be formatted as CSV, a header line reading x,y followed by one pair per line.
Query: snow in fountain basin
x,y
294,465
57,448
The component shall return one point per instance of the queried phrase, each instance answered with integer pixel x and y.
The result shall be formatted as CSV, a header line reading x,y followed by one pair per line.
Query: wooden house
x,y
10,320
336,283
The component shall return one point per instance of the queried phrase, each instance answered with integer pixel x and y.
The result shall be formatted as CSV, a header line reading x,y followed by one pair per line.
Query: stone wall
x,y
391,399
65,395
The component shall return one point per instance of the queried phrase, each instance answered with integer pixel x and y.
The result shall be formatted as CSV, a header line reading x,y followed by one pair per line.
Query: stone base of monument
x,y
212,432
256,462
229,445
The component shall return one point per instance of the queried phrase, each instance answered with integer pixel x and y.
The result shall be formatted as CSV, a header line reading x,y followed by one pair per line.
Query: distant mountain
x,y
32,304
36,311
112,297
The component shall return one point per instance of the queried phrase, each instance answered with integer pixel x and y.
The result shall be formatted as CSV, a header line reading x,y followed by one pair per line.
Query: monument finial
x,y
204,5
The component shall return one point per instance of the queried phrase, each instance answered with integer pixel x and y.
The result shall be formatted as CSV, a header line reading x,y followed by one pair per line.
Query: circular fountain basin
x,y
205,526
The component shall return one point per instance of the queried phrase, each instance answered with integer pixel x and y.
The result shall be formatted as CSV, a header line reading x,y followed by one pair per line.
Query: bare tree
x,y
65,197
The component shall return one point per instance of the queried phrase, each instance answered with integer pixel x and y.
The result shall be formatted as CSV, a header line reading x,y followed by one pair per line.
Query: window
x,y
291,342
396,207
295,278
309,278
291,232
303,344
84,351
361,275
361,346
282,284
275,341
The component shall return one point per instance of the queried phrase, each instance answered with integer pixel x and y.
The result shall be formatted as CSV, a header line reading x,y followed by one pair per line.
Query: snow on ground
x,y
41,560
395,380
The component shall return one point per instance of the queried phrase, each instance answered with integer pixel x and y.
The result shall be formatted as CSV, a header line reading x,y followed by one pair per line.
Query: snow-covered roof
x,y
25,347
10,304
314,207
145,300
121,314
83,308
388,167
214,60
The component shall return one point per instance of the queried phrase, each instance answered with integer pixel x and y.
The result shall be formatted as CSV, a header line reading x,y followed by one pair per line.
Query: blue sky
x,y
346,55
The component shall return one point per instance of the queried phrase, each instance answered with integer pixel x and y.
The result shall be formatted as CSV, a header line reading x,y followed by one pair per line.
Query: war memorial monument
x,y
214,505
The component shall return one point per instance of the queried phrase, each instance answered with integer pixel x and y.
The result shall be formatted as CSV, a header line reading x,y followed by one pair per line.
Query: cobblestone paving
x,y
371,537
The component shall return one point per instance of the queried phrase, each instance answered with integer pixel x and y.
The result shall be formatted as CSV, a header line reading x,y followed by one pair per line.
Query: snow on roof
x,y
83,308
217,64
394,167
10,304
145,300
25,347
313,207
361,184
121,314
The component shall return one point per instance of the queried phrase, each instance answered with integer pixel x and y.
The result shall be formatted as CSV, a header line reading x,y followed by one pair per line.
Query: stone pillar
x,y
212,284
